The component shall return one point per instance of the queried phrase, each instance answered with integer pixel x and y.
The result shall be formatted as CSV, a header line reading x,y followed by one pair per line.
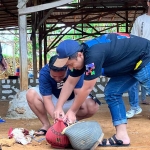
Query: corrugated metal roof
x,y
84,11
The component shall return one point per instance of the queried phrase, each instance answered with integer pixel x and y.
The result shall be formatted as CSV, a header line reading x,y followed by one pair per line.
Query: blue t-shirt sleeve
x,y
44,83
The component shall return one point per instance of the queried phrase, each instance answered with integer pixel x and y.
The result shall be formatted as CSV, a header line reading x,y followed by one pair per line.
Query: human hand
x,y
70,117
58,113
3,65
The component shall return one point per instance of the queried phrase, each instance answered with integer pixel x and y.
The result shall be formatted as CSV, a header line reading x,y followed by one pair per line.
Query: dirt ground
x,y
138,129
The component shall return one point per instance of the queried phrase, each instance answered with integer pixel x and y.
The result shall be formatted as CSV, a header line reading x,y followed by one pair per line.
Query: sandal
x,y
2,120
113,142
145,103
40,130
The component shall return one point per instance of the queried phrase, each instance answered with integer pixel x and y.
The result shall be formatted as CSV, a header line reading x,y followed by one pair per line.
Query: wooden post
x,y
40,40
34,45
117,27
127,22
14,59
23,50
45,46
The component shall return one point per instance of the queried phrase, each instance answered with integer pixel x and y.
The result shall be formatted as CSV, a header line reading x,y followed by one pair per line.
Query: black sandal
x,y
113,142
40,130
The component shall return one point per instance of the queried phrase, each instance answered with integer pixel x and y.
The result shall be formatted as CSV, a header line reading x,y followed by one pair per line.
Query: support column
x,y
34,45
117,27
23,49
45,46
40,40
127,22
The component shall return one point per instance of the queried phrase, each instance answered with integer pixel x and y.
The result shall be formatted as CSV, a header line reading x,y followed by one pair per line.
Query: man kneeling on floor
x,y
42,99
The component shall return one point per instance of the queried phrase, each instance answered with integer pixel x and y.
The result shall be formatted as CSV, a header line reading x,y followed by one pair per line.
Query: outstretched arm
x,y
49,106
83,93
2,60
66,91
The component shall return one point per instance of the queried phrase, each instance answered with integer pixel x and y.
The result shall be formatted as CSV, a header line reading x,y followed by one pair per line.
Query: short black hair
x,y
54,68
73,56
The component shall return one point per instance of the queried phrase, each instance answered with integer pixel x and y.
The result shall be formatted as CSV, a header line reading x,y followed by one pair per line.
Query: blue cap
x,y
65,49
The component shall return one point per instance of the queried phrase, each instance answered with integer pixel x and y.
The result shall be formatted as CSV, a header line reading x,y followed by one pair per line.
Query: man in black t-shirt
x,y
125,59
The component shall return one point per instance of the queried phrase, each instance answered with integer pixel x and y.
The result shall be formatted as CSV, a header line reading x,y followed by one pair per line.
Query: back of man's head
x,y
54,68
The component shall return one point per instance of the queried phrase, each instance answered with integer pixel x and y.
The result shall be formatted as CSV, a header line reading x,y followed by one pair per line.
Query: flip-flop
x,y
41,130
2,120
145,103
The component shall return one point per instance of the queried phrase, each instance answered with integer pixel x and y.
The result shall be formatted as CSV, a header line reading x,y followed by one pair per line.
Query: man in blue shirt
x,y
125,59
42,100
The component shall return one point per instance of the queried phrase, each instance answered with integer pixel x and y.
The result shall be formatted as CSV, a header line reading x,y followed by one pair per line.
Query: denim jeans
x,y
133,93
143,93
115,88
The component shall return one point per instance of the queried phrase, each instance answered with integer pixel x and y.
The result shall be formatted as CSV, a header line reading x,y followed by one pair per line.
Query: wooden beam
x,y
46,16
41,7
22,3
23,51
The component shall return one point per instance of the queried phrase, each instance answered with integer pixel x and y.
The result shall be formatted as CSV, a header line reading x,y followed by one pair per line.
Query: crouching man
x,y
42,99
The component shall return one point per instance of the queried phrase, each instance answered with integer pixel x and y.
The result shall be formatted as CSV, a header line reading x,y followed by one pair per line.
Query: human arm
x,y
47,86
87,87
65,93
3,64
2,61
135,29
49,106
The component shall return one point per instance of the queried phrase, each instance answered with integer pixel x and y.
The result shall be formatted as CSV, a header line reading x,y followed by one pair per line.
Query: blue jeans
x,y
115,88
133,93
143,93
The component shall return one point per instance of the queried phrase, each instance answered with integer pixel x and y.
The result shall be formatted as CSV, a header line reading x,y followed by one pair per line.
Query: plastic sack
x,y
55,137
85,135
